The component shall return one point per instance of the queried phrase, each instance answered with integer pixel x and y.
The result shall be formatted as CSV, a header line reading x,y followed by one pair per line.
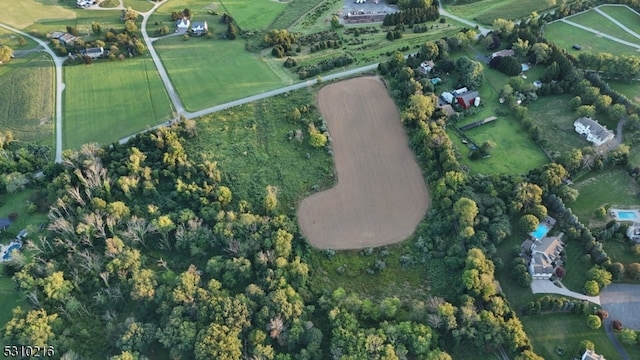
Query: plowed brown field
x,y
381,195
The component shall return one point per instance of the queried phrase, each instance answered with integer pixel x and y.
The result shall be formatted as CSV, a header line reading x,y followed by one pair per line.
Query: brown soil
x,y
381,195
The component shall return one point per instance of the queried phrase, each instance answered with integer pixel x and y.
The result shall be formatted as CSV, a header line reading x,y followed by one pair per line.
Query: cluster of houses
x,y
196,28
68,39
593,131
462,97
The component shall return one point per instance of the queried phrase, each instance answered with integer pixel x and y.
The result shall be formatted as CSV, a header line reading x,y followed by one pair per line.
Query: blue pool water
x,y
627,215
541,231
7,256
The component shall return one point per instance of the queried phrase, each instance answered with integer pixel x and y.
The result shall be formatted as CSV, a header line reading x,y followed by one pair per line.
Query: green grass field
x,y
10,299
576,266
567,331
629,89
250,144
96,97
255,14
624,15
22,13
487,11
598,22
82,22
619,250
139,5
293,11
565,35
553,114
11,39
27,93
621,190
210,72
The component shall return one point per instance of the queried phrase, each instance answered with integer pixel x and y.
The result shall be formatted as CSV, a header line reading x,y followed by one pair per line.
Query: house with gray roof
x,y
545,256
591,355
593,131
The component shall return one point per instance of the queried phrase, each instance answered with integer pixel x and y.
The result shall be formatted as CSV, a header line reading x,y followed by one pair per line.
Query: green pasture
x,y
487,11
611,186
106,101
251,145
109,4
624,15
565,330
209,72
139,5
23,13
27,93
565,36
596,21
552,113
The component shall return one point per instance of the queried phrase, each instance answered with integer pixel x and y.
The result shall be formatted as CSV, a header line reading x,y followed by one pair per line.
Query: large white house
x,y
545,256
591,355
593,131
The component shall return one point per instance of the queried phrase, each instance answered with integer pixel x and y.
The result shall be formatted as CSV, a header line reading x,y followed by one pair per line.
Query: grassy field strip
x,y
487,11
600,23
256,14
95,96
565,35
624,15
22,13
27,93
600,34
553,113
139,5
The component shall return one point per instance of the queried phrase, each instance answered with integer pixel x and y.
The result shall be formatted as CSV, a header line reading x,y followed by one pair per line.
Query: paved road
x,y
633,33
547,287
622,301
483,30
612,337
59,87
624,42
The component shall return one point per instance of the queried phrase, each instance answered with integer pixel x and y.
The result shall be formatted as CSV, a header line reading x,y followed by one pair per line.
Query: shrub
x,y
591,287
594,322
602,314
633,270
628,336
586,345
616,325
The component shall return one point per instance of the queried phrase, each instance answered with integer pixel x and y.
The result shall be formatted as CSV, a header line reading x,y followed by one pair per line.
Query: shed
x,y
460,91
577,47
447,97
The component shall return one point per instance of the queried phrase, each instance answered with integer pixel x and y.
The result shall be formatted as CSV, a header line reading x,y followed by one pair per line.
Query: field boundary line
x,y
599,33
618,23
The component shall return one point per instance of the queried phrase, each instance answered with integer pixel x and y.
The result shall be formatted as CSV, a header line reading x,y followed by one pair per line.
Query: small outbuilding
x,y
447,97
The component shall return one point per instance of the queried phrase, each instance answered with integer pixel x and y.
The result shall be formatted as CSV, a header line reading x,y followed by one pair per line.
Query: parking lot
x,y
371,9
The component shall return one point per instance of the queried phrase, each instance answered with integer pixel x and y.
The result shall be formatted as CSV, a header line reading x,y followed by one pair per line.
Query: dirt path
x,y
381,195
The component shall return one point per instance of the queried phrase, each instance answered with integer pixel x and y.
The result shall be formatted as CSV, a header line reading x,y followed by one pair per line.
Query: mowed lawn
x,y
82,22
553,114
22,13
629,89
27,94
209,72
565,35
566,331
139,5
624,15
106,101
596,21
488,10
610,186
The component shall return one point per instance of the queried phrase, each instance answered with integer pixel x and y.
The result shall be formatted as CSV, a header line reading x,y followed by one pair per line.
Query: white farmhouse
x,y
593,131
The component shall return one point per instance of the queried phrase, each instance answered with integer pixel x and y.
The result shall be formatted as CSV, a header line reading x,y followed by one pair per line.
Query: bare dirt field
x,y
381,195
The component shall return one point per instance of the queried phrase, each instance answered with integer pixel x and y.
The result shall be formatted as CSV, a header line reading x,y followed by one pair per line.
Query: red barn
x,y
466,100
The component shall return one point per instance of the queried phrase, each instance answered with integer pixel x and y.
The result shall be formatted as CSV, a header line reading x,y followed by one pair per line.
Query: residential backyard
x,y
552,113
621,190
565,330
95,97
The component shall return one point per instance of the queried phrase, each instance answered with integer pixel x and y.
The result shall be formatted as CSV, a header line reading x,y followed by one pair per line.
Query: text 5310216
x,y
28,351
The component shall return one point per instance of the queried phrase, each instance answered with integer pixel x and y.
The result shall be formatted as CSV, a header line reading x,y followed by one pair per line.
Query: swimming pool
x,y
627,215
12,246
540,232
